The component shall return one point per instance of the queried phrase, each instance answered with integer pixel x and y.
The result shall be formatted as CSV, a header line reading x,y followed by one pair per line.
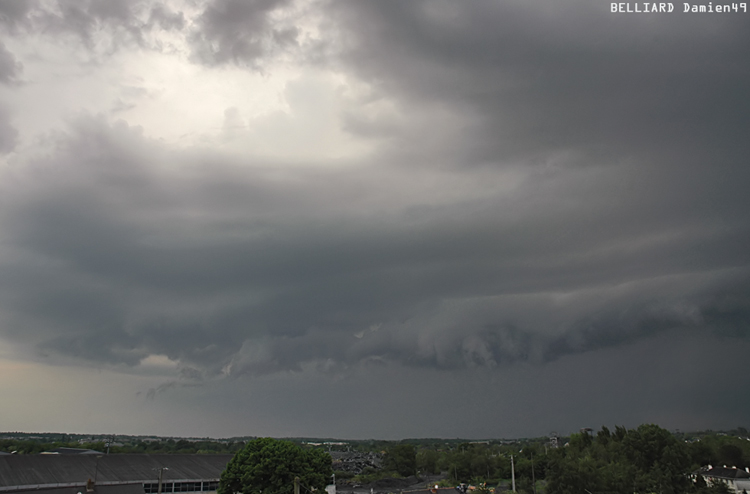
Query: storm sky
x,y
358,218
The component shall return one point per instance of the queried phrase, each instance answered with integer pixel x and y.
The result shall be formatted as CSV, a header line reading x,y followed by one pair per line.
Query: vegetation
x,y
648,459
402,459
269,466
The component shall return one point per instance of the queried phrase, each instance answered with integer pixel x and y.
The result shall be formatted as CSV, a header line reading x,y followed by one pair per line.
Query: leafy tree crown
x,y
269,466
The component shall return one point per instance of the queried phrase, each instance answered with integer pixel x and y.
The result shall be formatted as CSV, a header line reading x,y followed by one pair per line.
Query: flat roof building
x,y
110,474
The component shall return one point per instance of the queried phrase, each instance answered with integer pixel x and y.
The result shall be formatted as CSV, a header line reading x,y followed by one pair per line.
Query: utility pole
x,y
533,479
296,485
161,473
512,473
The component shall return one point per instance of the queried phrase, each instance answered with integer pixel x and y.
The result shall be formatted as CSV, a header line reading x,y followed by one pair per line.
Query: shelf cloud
x,y
220,200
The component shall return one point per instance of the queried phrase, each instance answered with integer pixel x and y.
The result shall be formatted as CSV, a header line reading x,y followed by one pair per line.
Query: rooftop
x,y
54,470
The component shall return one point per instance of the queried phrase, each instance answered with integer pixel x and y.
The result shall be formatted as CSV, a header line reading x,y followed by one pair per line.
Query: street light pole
x,y
161,473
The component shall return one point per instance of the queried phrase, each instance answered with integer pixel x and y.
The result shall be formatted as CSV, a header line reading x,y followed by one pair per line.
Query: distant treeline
x,y
34,443
167,446
459,459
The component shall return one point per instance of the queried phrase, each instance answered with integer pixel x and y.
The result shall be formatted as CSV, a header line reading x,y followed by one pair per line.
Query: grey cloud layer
x,y
8,133
101,26
226,269
240,32
629,217
222,31
10,68
547,77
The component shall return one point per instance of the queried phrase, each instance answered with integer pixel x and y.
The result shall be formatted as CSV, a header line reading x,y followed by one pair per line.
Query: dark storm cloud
x,y
622,139
657,103
98,24
225,31
110,257
8,133
240,31
676,378
166,18
14,15
10,68
545,77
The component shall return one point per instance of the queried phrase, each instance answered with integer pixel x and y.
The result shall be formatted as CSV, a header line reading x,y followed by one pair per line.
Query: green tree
x,y
731,455
401,458
269,466
646,459
458,464
427,460
702,454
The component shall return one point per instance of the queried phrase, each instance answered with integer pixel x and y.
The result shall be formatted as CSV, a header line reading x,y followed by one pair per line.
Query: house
x,y
737,479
